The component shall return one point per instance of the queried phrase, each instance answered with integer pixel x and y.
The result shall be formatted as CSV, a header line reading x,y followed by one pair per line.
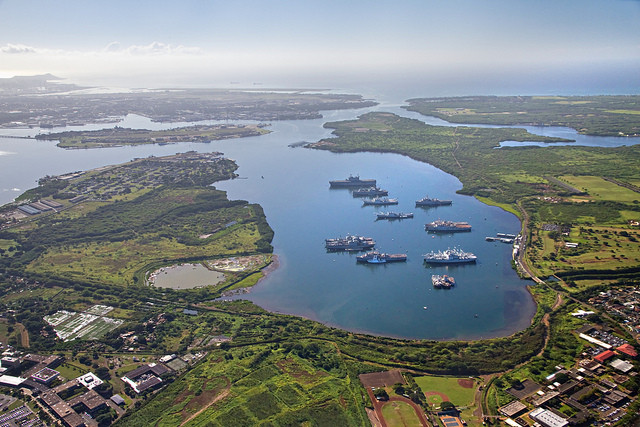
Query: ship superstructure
x,y
449,256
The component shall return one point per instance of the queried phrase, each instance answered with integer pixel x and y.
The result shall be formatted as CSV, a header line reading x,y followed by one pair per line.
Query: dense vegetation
x,y
591,115
156,212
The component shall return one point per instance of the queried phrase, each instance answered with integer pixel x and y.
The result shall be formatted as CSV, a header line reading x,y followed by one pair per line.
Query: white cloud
x,y
153,48
17,49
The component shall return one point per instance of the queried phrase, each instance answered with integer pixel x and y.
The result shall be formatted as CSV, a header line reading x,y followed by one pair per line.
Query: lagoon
x,y
185,276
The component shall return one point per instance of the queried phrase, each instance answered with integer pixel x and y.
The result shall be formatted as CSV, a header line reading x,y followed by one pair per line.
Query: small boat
x,y
442,281
376,260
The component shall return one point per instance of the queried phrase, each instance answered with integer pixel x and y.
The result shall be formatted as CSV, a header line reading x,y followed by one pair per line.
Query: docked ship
x,y
349,243
441,226
375,257
442,281
393,215
450,256
379,201
427,201
370,192
351,182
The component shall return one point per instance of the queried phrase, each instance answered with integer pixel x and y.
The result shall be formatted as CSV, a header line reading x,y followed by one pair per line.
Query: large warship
x,y
427,201
393,215
370,192
351,182
450,256
441,226
375,257
349,243
379,201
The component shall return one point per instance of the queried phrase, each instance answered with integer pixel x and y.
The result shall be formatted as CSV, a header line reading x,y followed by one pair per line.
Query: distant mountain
x,y
42,83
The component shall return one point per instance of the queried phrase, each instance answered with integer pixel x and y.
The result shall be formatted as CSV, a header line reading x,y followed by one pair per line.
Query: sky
x,y
496,43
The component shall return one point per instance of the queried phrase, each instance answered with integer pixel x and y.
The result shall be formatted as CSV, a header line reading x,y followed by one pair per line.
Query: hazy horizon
x,y
434,48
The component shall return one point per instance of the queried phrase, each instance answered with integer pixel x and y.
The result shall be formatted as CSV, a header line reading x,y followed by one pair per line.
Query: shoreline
x,y
273,266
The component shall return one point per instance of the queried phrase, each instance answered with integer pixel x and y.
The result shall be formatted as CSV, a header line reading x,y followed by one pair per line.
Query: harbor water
x,y
292,185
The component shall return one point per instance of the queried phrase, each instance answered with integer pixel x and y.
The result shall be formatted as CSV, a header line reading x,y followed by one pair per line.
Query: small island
x,y
119,136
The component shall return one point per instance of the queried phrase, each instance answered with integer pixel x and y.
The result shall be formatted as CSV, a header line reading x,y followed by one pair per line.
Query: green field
x,y
458,395
600,189
400,414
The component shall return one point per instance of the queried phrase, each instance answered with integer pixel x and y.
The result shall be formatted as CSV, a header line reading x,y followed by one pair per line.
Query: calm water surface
x,y
292,186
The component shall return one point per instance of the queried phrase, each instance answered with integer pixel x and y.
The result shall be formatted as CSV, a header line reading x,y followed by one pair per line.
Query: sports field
x,y
400,414
459,391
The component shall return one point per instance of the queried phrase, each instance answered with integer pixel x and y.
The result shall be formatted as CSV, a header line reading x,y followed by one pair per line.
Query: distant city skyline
x,y
279,43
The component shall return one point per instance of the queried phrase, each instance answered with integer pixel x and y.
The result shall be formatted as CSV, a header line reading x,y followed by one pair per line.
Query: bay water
x,y
292,185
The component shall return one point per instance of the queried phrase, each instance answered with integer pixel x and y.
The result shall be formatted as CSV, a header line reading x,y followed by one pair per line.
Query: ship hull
x,y
379,202
398,216
345,183
447,229
450,261
433,203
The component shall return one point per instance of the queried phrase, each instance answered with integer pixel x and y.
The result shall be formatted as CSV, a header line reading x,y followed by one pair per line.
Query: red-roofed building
x,y
628,350
607,354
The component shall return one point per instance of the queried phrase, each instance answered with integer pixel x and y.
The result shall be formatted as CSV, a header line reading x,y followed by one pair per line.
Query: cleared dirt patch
x,y
382,379
432,397
297,371
466,382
